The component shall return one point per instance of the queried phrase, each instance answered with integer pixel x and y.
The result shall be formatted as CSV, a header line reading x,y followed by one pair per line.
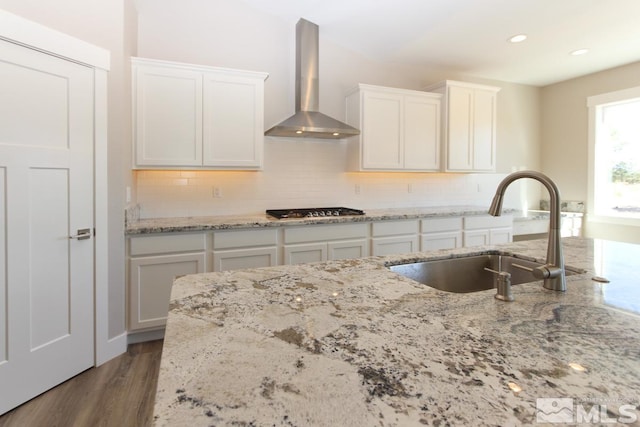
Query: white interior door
x,y
46,195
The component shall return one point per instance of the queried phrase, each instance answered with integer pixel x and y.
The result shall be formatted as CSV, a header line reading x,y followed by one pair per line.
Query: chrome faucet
x,y
553,271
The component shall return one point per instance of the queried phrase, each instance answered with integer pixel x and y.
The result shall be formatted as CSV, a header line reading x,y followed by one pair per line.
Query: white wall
x,y
565,137
229,33
100,22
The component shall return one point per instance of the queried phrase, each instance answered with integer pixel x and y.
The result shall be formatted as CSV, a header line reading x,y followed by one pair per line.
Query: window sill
x,y
617,220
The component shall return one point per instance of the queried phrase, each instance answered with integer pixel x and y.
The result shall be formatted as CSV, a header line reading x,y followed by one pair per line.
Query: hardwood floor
x,y
119,393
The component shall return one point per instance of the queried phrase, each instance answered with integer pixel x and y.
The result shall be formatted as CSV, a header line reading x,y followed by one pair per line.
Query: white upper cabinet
x,y
469,126
197,117
399,129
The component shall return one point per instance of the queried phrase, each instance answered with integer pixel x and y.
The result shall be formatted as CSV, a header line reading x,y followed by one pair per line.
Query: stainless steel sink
x,y
468,274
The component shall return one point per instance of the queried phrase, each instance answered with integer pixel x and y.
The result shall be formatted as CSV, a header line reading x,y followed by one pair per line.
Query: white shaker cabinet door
x,y
421,133
151,280
460,138
233,120
381,128
168,111
484,129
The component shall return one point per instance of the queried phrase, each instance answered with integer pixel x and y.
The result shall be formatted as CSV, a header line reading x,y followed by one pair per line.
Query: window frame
x,y
593,102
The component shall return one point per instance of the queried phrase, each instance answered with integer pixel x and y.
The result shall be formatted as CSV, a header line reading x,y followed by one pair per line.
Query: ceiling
x,y
469,37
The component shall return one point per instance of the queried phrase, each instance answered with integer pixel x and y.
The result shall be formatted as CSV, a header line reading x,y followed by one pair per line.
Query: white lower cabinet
x,y
487,230
154,263
325,242
238,249
394,237
441,233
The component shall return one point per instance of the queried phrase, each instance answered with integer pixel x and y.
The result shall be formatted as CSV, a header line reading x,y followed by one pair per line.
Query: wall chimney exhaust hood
x,y
307,121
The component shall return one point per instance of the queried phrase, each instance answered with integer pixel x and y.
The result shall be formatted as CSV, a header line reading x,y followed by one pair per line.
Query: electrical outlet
x,y
217,193
409,188
357,189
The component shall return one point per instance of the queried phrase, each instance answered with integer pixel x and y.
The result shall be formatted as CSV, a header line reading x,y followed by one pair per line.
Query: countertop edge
x,y
228,222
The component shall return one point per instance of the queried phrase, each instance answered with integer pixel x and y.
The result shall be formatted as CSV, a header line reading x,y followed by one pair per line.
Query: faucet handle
x,y
546,271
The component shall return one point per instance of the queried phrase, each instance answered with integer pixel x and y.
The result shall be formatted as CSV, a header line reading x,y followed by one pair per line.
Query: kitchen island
x,y
350,343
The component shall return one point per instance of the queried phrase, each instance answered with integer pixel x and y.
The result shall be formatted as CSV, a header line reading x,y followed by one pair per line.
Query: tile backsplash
x,y
304,173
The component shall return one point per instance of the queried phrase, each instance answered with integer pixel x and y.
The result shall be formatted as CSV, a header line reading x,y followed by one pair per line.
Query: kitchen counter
x,y
536,222
225,222
534,215
349,343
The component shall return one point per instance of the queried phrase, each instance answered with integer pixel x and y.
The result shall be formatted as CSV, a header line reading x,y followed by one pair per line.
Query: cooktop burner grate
x,y
312,212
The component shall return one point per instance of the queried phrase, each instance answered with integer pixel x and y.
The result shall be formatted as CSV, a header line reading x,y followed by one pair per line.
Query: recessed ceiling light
x,y
579,52
518,38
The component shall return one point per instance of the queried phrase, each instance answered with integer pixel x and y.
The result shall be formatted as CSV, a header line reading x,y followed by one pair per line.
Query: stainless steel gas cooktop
x,y
312,212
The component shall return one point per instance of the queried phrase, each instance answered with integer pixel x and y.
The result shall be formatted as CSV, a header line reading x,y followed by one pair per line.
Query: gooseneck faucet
x,y
553,271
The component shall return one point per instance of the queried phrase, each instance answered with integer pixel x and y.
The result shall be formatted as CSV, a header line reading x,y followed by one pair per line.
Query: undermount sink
x,y
468,274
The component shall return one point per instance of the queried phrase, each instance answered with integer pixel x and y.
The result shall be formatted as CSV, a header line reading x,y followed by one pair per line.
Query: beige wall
x,y
565,137
102,23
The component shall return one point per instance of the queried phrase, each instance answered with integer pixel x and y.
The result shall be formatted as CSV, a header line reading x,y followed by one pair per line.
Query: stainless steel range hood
x,y
307,121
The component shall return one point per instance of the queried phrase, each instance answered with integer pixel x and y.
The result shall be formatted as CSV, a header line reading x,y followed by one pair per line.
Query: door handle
x,y
83,234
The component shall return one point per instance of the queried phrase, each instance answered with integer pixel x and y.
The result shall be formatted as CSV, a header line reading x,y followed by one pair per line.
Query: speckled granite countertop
x,y
222,222
349,343
538,214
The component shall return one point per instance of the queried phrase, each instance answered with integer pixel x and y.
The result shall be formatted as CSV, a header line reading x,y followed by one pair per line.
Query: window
x,y
614,188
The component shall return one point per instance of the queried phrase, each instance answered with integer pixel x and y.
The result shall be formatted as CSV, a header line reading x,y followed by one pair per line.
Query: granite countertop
x,y
223,222
349,343
532,215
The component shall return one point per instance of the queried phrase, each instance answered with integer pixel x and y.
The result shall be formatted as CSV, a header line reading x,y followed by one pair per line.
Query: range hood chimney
x,y
307,121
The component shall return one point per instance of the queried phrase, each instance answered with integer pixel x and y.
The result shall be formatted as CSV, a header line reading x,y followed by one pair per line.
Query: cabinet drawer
x,y
436,225
394,228
348,249
236,259
441,240
475,238
244,238
487,221
167,243
325,233
394,245
309,252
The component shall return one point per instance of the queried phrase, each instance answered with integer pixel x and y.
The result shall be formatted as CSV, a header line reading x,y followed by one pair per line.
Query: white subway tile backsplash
x,y
299,173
